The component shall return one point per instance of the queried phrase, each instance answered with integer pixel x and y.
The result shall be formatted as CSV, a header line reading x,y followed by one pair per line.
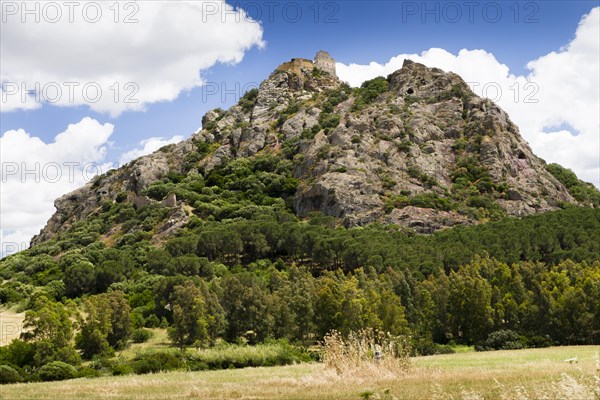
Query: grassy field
x,y
159,341
11,324
506,375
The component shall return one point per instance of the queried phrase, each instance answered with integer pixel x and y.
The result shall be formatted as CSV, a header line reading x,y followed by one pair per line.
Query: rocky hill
x,y
417,149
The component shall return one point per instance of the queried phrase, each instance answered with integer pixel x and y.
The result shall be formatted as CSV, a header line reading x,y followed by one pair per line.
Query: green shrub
x,y
114,366
396,202
404,146
152,321
88,372
581,191
335,97
57,371
121,197
324,152
291,147
121,369
504,339
19,353
141,335
479,202
537,341
270,353
329,121
387,182
248,99
153,362
291,109
426,347
415,172
9,375
431,200
369,91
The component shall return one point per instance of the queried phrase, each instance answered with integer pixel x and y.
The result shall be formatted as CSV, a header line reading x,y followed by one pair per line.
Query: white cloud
x,y
11,99
148,146
35,173
161,55
563,125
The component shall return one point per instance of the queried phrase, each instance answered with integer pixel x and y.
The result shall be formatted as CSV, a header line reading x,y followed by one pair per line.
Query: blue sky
x,y
175,45
353,32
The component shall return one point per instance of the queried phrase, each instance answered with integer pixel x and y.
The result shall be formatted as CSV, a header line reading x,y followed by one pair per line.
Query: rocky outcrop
x,y
134,177
426,220
399,158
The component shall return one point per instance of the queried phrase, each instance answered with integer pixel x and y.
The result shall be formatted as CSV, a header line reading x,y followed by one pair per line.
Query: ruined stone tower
x,y
324,61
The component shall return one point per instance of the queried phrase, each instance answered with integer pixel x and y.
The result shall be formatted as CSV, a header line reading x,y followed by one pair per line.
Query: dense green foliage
x,y
141,335
9,375
57,371
248,99
504,339
107,325
272,276
245,270
369,91
581,191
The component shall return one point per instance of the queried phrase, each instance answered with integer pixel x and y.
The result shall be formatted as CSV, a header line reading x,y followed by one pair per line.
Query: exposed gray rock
x,y
303,120
407,143
426,220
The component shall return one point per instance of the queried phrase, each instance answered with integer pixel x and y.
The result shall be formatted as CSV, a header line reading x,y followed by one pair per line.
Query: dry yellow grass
x,y
11,325
502,375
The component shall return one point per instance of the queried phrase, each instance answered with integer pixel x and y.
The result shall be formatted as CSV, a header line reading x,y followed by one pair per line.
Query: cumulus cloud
x,y
148,146
115,56
555,105
34,173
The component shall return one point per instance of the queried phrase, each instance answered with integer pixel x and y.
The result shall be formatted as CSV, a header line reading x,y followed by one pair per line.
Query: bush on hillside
x,y
57,371
504,339
9,375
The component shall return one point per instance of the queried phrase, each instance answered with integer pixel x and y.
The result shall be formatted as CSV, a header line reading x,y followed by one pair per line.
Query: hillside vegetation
x,y
299,211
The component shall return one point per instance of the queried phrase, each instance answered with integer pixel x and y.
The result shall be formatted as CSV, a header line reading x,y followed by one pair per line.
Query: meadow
x,y
468,375
11,324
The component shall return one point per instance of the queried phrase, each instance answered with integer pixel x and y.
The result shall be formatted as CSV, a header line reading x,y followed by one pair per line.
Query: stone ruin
x,y
322,61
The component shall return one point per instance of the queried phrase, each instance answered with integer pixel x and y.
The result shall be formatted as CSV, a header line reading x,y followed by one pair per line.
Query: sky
x,y
89,86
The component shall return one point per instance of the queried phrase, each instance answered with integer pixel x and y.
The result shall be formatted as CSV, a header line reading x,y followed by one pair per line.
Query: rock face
x,y
424,153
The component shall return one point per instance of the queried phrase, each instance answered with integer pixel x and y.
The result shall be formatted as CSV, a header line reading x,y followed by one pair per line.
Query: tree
x,y
107,324
302,302
188,264
120,319
80,279
469,302
49,325
215,315
391,313
246,302
92,342
189,316
109,272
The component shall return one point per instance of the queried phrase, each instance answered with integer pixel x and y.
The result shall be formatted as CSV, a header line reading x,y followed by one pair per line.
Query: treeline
x,y
269,276
538,304
78,263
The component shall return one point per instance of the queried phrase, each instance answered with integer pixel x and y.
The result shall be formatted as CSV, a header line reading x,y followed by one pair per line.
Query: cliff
x,y
416,149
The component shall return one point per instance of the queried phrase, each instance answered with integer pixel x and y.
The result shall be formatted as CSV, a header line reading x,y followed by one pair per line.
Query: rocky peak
x,y
417,149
